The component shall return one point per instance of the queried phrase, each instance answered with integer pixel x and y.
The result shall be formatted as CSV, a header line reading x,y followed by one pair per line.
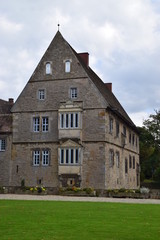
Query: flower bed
x,y
76,191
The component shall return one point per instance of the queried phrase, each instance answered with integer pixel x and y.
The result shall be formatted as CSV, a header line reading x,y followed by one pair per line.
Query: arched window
x,y
48,68
67,66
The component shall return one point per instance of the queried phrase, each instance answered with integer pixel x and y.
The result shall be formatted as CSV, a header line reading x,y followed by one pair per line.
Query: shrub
x,y
131,191
144,190
122,190
23,183
88,190
137,191
76,189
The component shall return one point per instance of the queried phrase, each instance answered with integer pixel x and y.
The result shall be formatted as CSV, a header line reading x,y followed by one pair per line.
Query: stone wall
x,y
5,158
22,167
93,165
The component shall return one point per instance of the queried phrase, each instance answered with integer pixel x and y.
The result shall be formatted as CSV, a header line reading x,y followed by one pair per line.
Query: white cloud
x,y
8,26
139,117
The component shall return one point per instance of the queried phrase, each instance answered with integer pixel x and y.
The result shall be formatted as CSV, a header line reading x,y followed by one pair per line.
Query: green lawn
x,y
78,220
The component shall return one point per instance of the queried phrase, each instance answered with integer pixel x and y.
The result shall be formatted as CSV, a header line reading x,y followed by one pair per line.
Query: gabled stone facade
x,y
69,129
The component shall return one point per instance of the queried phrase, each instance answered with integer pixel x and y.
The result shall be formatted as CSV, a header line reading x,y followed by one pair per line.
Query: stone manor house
x,y
67,128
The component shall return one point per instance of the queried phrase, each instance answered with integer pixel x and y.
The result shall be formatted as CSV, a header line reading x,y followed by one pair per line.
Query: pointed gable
x,y
69,143
53,61
52,67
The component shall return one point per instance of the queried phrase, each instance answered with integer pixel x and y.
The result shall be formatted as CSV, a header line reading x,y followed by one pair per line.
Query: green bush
x,y
137,191
23,183
122,190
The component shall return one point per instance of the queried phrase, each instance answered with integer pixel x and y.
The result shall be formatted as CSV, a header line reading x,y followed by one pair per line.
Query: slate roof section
x,y
113,103
5,117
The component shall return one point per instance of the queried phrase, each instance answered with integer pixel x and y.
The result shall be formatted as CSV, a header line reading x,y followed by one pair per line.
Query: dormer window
x,y
67,66
48,68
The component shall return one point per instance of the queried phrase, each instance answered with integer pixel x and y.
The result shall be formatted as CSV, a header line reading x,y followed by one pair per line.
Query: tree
x,y
153,126
150,147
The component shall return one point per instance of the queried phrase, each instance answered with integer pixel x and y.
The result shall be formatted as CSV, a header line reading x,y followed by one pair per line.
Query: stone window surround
x,y
117,129
117,159
130,161
41,94
111,158
69,155
2,144
40,124
48,68
41,157
69,120
110,124
126,165
134,162
67,67
73,92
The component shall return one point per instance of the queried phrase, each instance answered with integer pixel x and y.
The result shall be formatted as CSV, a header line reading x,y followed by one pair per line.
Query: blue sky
x,y
121,36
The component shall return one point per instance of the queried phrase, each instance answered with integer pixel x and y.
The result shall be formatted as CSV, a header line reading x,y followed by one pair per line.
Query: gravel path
x,y
78,199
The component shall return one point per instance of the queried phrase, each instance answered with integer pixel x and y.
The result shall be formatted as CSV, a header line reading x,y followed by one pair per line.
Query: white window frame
x,y
41,94
73,93
69,156
40,124
2,145
45,124
36,124
36,157
67,66
69,120
45,157
48,68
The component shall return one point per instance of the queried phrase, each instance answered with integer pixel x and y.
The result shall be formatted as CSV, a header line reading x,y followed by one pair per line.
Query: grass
x,y
50,220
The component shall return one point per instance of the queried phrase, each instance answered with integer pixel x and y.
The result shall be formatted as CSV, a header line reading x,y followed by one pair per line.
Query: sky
x,y
122,38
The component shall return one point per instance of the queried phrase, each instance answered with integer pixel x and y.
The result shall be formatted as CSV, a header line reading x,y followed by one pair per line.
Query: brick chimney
x,y
109,86
85,57
11,100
